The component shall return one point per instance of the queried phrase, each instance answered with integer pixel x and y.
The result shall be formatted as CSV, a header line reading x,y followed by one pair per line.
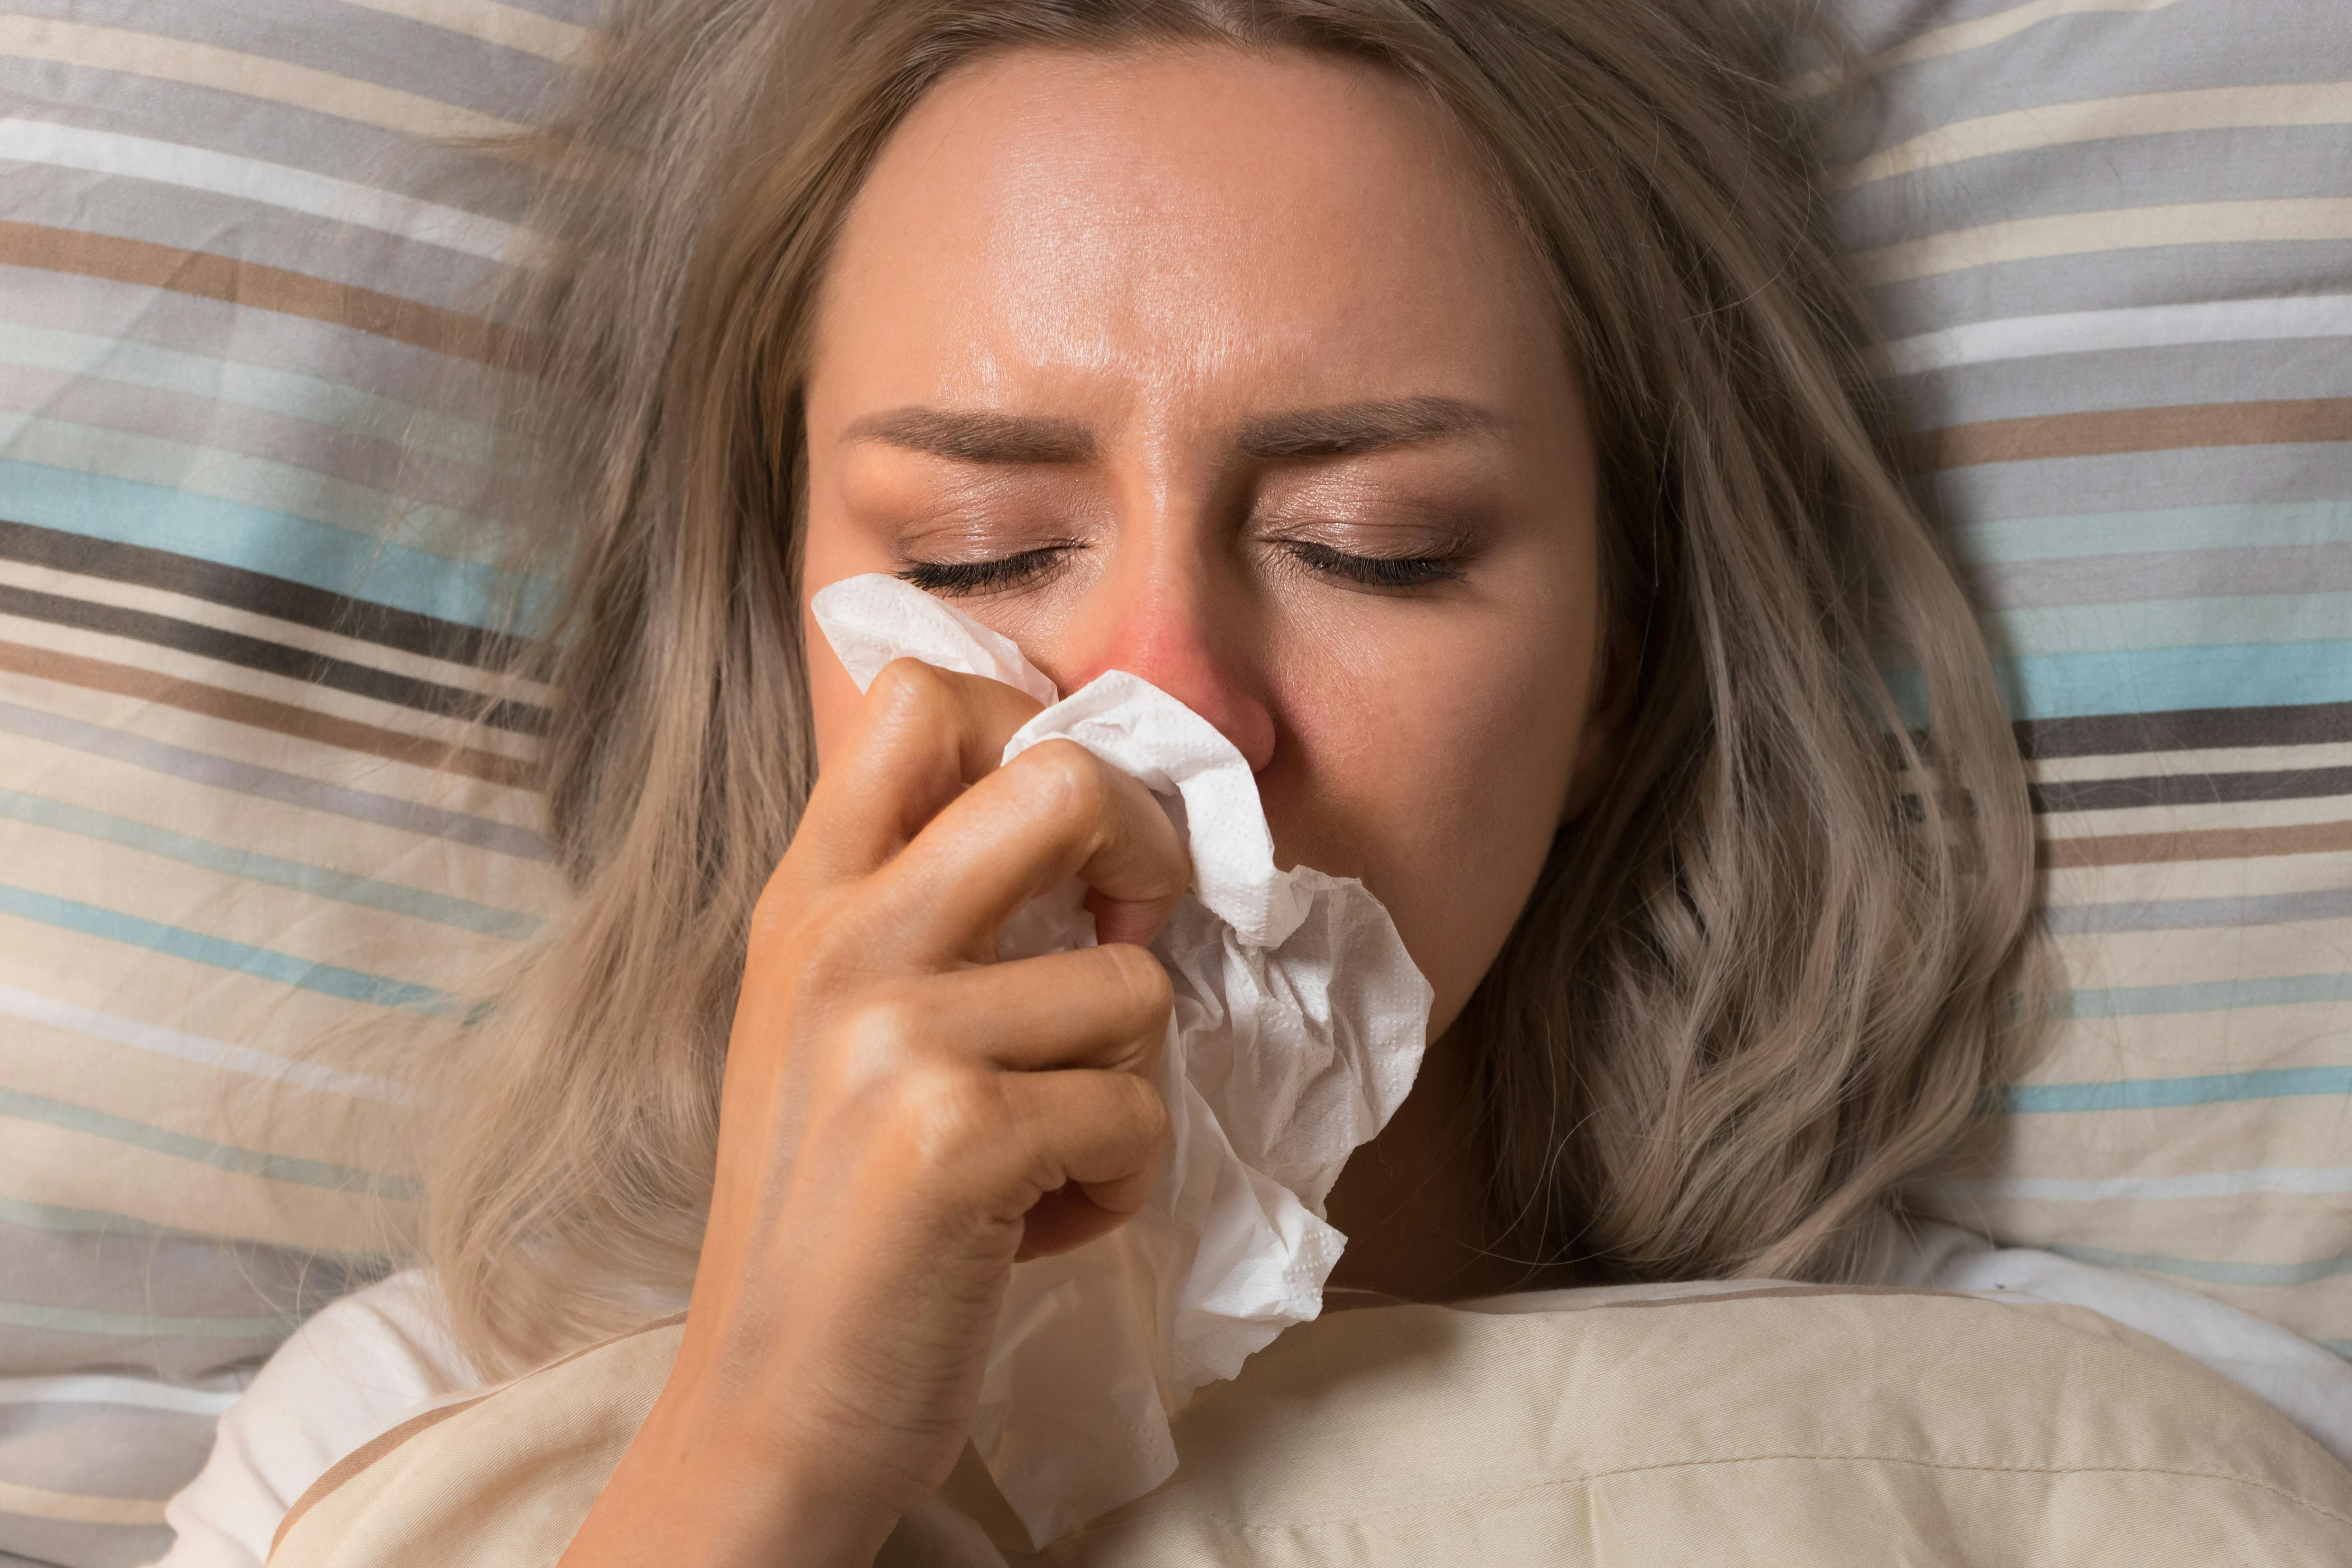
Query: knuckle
x,y
1142,978
946,1114
1067,778
1145,1111
908,690
819,951
877,1037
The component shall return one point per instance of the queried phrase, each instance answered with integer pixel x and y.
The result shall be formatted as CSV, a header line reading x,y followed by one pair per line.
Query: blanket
x,y
1830,1425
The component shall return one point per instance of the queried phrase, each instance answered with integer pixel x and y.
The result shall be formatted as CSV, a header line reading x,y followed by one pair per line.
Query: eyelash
x,y
958,578
1377,571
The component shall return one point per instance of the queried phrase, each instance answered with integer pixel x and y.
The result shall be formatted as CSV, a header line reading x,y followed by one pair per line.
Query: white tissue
x,y
1299,1023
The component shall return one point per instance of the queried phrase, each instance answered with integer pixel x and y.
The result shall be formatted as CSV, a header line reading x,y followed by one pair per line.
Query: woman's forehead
x,y
1171,222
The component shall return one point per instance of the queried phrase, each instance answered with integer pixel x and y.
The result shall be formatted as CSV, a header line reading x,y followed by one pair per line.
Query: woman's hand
x,y
903,1119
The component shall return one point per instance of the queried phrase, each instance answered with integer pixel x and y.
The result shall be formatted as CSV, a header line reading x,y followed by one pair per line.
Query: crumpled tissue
x,y
1299,1024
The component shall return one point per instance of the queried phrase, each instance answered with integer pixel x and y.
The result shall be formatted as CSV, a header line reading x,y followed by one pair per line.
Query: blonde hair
x,y
1769,975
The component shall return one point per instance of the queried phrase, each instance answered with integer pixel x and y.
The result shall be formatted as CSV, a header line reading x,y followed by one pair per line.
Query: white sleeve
x,y
351,1371
2308,1385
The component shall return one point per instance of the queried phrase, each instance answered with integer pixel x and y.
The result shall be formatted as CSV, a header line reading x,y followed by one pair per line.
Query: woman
x,y
1458,404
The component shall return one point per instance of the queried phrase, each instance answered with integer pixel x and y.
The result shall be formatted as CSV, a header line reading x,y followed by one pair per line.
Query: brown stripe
x,y
368,1453
363,620
2203,843
2107,432
264,654
237,282
2190,789
1760,1292
261,713
2193,729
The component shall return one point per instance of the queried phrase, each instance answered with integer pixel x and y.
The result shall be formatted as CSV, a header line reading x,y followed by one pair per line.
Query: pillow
x,y
2109,236
2111,243
228,621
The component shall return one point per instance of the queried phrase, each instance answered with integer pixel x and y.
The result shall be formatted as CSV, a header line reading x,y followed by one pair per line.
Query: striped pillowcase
x,y
2112,240
232,623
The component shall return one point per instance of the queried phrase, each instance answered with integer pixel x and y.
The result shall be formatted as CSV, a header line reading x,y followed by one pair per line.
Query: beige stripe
x,y
509,26
2093,1145
2218,1039
2213,844
177,993
250,75
2142,882
300,925
2218,759
249,283
200,1099
78,1508
2110,431
2191,955
1962,36
2102,118
2215,1039
2197,816
55,1165
295,754
2118,228
262,826
45,664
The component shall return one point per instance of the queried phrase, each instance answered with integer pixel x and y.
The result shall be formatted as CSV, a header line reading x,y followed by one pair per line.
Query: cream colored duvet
x,y
1824,1427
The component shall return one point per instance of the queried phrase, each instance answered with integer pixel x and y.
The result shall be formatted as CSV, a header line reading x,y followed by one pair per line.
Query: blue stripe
x,y
389,897
140,1326
2205,995
2335,1347
57,1219
219,952
2167,1093
2172,623
2169,680
203,1151
2189,914
2151,680
2212,1273
126,511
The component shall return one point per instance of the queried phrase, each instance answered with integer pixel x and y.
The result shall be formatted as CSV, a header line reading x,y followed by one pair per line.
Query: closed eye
x,y
1377,571
954,579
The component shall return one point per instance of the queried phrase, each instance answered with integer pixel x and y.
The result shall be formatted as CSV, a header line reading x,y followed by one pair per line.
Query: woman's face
x,y
1226,369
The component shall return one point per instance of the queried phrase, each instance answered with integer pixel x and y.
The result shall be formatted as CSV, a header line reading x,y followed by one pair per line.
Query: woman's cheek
x,y
1445,797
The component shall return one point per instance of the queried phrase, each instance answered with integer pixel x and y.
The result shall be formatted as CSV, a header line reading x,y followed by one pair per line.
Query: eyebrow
x,y
1350,429
1340,430
978,435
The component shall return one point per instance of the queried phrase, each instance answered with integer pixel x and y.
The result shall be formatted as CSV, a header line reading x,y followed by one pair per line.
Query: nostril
x,y
1168,635
1249,725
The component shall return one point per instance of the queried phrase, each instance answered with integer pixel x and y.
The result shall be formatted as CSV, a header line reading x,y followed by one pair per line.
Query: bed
x,y
2110,242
